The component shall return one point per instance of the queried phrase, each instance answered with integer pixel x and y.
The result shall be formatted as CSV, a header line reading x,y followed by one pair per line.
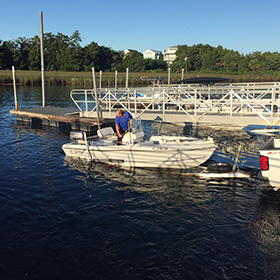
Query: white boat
x,y
165,152
270,161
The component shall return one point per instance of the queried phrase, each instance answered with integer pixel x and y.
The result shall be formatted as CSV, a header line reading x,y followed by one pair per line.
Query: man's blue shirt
x,y
122,122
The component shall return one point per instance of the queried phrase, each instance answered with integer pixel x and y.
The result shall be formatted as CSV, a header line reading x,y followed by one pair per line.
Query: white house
x,y
152,54
127,51
170,55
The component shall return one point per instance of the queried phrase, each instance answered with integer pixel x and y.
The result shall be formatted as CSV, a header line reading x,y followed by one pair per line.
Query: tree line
x,y
65,53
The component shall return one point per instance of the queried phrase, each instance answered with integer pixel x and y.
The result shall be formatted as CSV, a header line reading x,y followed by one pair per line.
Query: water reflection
x,y
203,228
165,186
266,229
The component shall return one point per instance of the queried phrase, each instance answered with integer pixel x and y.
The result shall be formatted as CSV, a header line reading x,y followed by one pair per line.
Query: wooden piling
x,y
116,80
96,97
100,79
126,82
42,58
15,88
169,76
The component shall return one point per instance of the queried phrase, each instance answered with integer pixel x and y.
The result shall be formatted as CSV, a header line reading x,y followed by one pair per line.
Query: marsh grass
x,y
33,78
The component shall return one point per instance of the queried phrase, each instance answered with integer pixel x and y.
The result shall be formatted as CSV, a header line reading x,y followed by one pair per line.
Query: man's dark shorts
x,y
122,132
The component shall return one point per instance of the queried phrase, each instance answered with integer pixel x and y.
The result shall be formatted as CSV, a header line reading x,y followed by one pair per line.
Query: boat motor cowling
x,y
133,137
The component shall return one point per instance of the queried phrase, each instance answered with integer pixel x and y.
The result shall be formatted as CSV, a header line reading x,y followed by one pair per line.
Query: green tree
x,y
63,53
105,58
91,57
269,61
116,59
34,56
205,58
6,55
231,61
74,53
21,53
253,61
133,61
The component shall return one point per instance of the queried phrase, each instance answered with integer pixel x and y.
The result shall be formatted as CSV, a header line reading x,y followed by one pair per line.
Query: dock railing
x,y
193,102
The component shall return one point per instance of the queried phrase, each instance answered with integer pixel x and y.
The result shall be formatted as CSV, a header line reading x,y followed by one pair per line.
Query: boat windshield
x,y
137,124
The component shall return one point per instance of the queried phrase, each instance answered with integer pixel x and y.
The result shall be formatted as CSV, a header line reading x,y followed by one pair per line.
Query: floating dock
x,y
225,104
58,117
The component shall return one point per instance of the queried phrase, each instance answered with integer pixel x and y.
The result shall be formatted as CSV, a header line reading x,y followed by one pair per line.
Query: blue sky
x,y
244,26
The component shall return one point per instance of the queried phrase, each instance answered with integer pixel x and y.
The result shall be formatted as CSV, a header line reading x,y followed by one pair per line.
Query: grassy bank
x,y
30,78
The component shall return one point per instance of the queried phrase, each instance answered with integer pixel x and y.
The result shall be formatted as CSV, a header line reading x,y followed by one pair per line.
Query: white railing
x,y
195,101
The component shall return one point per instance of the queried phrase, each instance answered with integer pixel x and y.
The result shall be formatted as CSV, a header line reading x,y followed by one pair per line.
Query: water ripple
x,y
64,219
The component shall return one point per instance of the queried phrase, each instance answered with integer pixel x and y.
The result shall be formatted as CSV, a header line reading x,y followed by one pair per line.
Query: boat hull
x,y
145,154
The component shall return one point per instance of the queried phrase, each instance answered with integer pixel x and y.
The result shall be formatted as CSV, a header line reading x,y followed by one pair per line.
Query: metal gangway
x,y
236,103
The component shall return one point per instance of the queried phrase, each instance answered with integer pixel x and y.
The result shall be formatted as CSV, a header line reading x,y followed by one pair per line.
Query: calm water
x,y
63,219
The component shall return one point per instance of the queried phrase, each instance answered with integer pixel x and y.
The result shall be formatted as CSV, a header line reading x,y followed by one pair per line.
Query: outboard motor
x,y
133,137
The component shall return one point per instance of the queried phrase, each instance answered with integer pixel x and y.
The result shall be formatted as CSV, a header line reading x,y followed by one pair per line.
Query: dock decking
x,y
59,117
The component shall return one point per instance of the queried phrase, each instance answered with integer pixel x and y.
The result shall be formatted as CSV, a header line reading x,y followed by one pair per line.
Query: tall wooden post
x,y
15,88
100,79
169,77
96,97
116,80
42,58
126,84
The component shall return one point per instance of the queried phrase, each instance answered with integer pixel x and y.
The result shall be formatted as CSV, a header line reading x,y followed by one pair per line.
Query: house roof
x,y
154,51
130,50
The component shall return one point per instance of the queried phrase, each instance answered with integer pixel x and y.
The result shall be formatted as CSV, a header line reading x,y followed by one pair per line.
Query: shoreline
x,y
53,78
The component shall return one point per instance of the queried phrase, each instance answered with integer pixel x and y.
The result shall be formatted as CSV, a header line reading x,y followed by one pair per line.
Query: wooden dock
x,y
59,117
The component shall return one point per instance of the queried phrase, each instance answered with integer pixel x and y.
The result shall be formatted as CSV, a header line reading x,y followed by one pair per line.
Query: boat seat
x,y
106,132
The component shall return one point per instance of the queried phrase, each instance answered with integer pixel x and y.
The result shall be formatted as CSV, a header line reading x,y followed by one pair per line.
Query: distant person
x,y
123,122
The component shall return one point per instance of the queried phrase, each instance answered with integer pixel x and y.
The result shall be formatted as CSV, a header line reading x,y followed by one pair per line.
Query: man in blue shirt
x,y
123,122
